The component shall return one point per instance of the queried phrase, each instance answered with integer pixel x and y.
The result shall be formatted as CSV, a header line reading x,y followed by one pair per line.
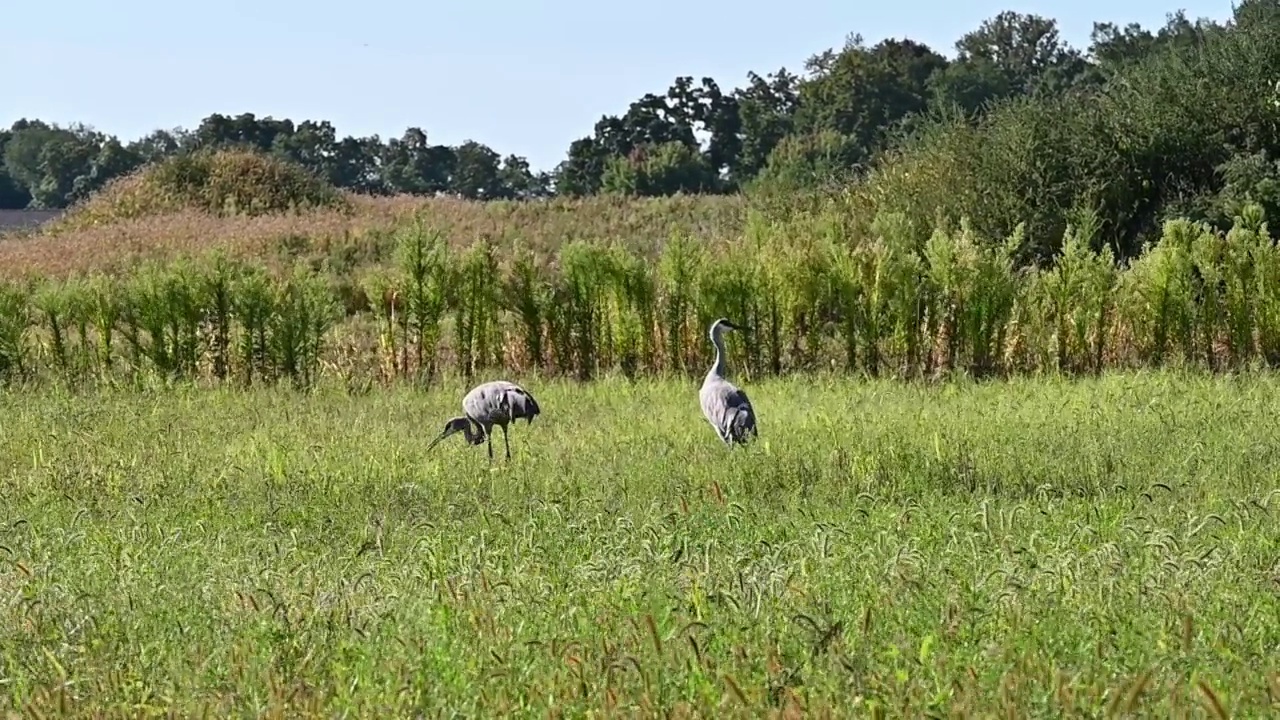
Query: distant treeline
x,y
1140,126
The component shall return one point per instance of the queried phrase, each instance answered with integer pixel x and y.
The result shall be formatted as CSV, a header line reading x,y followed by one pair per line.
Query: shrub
x,y
659,170
1185,131
221,182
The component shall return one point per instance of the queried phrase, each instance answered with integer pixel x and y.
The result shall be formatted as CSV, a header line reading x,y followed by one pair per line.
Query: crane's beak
x,y
439,437
449,429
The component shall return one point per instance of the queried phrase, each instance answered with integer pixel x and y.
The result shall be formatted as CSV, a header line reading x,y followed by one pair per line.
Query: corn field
x,y
812,298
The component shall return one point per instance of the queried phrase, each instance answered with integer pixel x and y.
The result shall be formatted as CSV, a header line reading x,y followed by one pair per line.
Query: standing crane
x,y
493,403
724,404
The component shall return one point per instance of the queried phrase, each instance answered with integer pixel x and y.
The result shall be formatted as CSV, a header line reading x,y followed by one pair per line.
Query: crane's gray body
x,y
499,403
724,404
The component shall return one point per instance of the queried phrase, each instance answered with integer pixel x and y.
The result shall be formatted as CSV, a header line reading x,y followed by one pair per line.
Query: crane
x,y
724,404
498,402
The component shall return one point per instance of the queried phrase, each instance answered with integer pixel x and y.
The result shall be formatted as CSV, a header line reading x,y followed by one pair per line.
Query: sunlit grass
x,y
1034,546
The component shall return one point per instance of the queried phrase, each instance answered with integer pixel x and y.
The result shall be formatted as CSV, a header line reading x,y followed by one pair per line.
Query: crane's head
x,y
458,425
723,324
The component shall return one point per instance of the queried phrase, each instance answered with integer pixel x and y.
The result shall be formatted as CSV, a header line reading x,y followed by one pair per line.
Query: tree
x,y
412,165
582,172
22,152
1247,178
520,180
476,173
1112,48
245,129
13,195
666,169
357,165
159,144
800,162
1009,54
111,161
56,165
314,145
766,110
863,92
652,126
708,110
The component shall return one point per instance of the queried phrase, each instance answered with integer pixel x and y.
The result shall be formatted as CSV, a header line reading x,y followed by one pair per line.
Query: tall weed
x,y
15,321
815,290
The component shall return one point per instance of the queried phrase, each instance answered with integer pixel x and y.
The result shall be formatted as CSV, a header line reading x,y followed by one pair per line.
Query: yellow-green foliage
x,y
222,182
813,292
1028,549
217,319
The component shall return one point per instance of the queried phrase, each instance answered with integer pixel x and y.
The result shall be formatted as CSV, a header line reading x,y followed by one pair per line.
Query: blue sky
x,y
521,79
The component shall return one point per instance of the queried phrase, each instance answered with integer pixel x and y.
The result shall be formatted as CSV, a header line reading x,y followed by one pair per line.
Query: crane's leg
x,y
488,436
506,441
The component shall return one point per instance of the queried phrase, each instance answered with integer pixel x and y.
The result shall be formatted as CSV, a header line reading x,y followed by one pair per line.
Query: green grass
x,y
1035,544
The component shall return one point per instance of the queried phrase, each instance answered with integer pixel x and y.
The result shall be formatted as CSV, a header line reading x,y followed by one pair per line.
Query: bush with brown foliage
x,y
350,240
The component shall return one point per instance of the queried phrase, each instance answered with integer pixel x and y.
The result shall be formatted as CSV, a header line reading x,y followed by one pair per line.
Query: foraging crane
x,y
493,403
725,405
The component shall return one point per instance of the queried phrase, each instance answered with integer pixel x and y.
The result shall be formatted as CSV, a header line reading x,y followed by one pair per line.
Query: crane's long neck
x,y
717,339
472,437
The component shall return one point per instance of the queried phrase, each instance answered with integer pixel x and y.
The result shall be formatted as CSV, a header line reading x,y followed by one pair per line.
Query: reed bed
x,y
812,295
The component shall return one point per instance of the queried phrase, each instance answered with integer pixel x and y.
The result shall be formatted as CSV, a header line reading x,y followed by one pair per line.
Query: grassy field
x,y
1026,548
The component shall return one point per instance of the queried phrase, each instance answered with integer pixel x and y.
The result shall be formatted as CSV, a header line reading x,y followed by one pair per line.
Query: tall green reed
x,y
15,322
813,291
425,265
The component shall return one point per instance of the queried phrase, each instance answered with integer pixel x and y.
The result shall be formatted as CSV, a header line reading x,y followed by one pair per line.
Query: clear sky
x,y
522,77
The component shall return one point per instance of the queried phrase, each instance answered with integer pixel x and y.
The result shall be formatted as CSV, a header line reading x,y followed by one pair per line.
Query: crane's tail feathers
x,y
521,405
736,423
740,425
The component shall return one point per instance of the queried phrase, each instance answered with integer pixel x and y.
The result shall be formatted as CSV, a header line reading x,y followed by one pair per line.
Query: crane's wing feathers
x,y
500,401
741,419
729,410
521,404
